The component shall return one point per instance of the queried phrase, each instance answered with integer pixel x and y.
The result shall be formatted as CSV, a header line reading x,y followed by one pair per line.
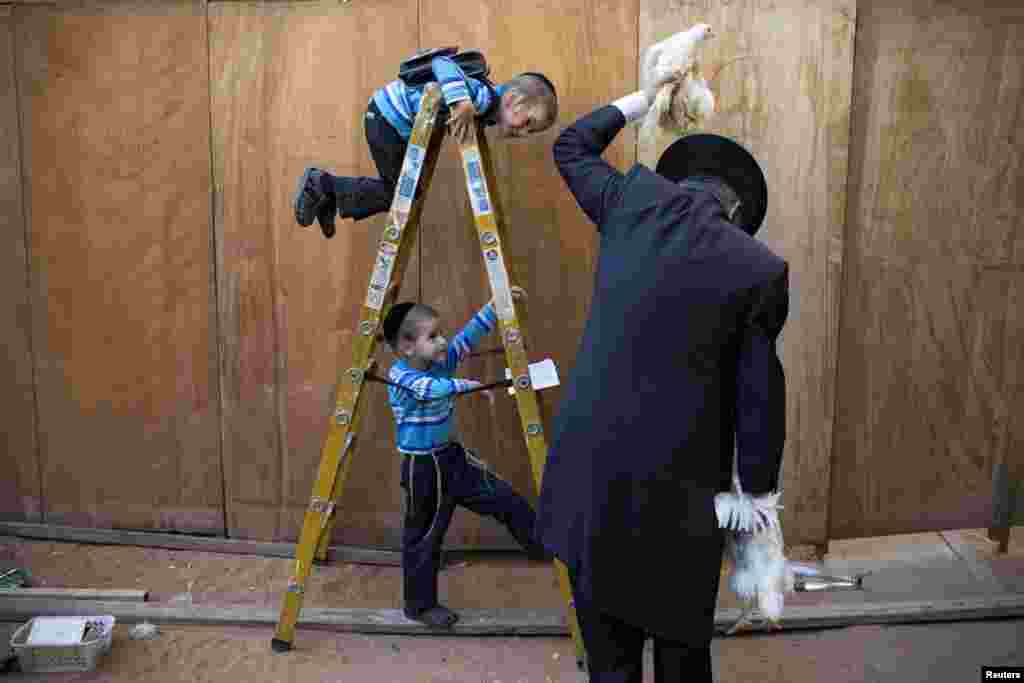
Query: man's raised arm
x,y
594,182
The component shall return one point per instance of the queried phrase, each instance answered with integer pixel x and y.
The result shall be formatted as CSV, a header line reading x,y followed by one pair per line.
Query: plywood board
x,y
106,594
115,124
930,365
517,622
589,51
290,87
788,102
20,495
235,546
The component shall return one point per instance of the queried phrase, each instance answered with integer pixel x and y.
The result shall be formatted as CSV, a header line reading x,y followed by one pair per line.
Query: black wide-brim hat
x,y
707,154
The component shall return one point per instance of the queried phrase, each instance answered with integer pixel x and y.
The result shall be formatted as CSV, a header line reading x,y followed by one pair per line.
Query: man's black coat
x,y
677,364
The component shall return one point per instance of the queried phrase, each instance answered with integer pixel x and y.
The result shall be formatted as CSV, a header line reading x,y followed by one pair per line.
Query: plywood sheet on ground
x,y
290,86
931,361
115,113
589,51
788,102
19,458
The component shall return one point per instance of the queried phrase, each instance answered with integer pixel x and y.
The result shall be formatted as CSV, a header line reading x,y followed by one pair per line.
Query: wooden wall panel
x,y
20,496
115,124
930,370
134,289
290,87
588,49
789,104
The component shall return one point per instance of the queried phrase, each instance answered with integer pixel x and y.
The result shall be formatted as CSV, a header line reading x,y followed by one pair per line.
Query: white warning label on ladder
x,y
498,276
383,265
475,181
409,177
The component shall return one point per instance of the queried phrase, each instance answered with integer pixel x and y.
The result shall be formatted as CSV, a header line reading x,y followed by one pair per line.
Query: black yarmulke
x,y
393,321
544,79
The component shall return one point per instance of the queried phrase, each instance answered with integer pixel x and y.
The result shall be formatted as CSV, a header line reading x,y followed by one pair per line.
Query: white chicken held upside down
x,y
760,574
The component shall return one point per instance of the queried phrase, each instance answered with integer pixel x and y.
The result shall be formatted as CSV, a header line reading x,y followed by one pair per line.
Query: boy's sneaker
x,y
437,617
539,554
309,198
325,216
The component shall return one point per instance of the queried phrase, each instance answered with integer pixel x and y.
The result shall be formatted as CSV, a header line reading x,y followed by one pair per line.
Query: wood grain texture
x,y
931,370
20,495
290,86
788,102
115,128
588,50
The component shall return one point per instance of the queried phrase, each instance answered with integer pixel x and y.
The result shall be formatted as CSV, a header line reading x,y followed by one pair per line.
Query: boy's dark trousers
x,y
360,198
463,483
615,649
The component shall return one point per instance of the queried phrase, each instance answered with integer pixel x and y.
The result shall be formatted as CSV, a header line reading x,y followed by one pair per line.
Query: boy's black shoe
x,y
437,617
325,216
309,198
539,554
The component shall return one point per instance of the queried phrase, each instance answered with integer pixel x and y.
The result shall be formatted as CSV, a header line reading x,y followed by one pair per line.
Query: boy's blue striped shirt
x,y
423,416
400,103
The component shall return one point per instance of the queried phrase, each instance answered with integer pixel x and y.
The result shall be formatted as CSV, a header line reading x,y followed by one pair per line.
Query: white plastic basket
x,y
44,657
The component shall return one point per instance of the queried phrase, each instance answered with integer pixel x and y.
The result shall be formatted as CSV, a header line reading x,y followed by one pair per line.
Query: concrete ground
x,y
916,567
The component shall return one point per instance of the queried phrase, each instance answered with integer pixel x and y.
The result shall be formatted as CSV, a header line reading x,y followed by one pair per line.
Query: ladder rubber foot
x,y
278,645
320,563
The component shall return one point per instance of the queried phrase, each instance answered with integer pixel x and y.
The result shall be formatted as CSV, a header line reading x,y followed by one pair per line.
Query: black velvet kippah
x,y
393,321
545,80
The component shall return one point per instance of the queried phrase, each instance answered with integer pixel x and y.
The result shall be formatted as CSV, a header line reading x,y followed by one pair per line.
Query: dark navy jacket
x,y
677,364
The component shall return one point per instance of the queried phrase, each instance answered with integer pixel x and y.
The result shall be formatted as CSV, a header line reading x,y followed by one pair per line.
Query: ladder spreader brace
x,y
393,252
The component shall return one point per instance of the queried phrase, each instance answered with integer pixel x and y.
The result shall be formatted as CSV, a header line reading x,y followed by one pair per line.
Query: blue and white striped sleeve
x,y
454,84
479,326
482,96
428,388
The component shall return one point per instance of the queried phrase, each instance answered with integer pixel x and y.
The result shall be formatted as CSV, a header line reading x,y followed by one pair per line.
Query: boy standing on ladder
x,y
437,472
525,105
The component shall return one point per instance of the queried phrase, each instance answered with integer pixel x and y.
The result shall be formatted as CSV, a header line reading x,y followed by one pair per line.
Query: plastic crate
x,y
42,657
14,577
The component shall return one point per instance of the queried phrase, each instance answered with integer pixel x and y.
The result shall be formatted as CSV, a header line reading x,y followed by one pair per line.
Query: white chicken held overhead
x,y
673,102
675,54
